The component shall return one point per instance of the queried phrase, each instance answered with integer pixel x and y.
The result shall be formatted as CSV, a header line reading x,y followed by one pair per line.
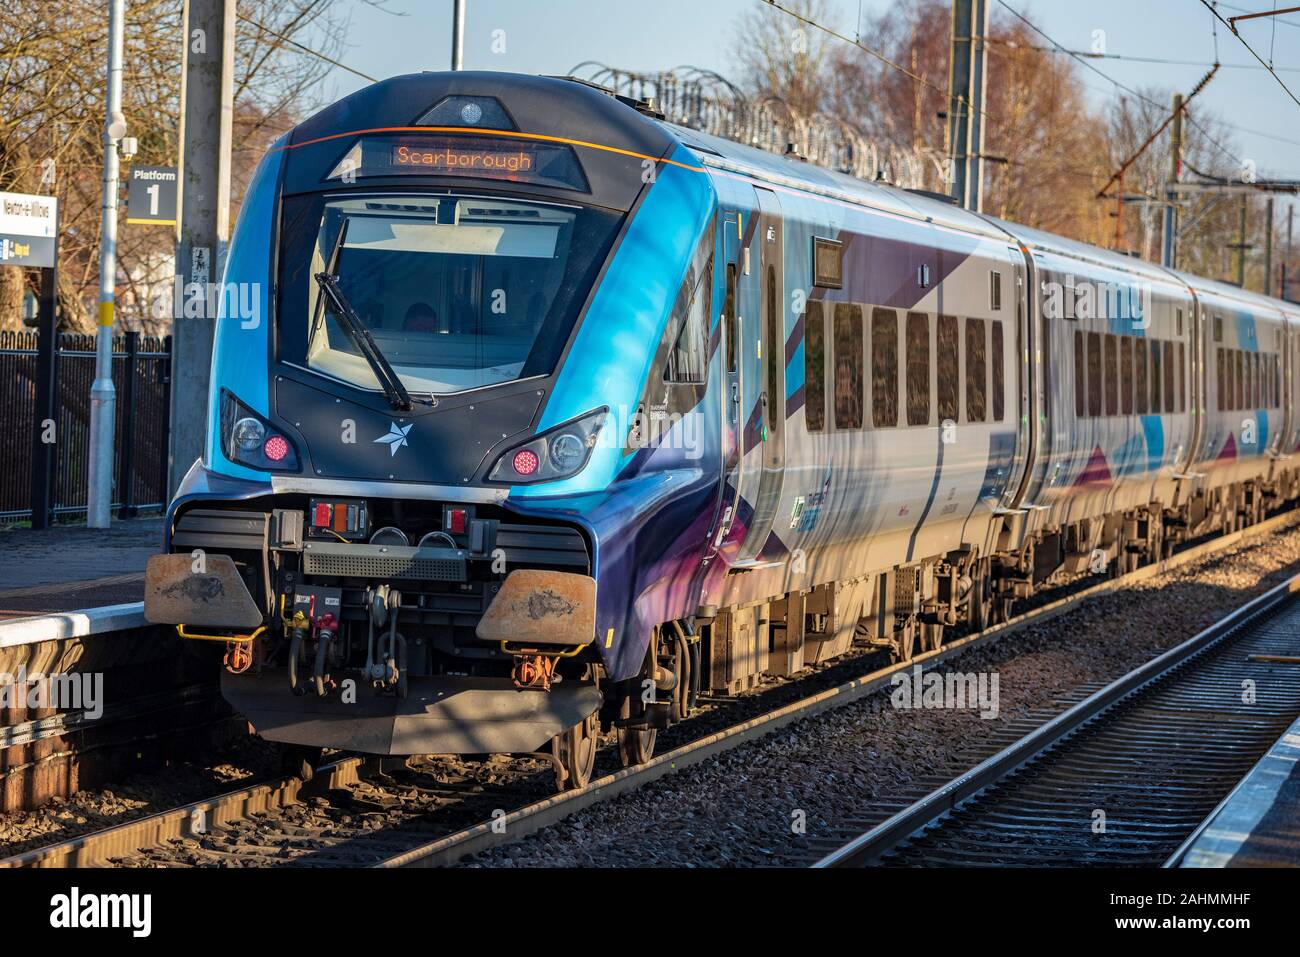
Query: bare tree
x,y
53,58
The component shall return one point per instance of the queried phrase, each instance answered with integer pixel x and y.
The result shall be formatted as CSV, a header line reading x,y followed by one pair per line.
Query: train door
x,y
1025,380
731,395
1195,373
766,344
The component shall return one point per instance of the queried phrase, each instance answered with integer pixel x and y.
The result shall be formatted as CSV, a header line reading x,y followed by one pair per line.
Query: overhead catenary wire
x,y
1282,83
915,77
1118,85
304,48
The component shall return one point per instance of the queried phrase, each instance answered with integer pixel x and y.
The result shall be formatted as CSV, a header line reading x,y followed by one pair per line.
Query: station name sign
x,y
27,229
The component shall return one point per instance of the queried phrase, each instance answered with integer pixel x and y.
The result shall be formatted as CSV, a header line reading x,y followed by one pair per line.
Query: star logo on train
x,y
396,436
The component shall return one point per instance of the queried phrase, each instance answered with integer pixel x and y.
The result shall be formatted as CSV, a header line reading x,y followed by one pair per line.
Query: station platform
x,y
71,580
1258,824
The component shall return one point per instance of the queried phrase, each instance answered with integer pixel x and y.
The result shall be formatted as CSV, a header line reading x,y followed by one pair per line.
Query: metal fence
x,y
141,375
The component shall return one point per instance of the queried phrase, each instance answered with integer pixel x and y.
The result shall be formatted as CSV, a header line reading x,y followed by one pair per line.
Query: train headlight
x,y
248,439
555,454
248,434
567,452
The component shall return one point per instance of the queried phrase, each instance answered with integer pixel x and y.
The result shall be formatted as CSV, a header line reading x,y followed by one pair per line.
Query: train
x,y
553,416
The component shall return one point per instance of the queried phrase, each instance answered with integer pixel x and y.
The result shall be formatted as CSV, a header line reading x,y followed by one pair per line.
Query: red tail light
x,y
525,462
276,448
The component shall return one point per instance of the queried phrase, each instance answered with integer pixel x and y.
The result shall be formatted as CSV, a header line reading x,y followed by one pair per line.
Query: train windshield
x,y
456,292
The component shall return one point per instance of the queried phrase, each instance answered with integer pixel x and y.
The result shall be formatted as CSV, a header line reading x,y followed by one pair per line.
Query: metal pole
x,y
967,75
1170,255
1241,246
103,400
47,406
1268,247
207,95
458,35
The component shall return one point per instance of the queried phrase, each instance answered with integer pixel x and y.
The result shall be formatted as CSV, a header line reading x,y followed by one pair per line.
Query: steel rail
x,y
868,847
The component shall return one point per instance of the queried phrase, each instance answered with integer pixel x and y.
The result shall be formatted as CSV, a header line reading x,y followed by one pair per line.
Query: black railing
x,y
141,375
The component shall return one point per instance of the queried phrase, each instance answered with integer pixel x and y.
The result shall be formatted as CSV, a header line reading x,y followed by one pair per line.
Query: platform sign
x,y
27,227
151,195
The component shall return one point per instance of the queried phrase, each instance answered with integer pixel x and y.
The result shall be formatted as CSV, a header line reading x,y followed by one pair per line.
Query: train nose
x,y
448,443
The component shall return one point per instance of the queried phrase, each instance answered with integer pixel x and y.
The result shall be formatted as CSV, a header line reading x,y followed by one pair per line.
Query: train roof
x,y
571,110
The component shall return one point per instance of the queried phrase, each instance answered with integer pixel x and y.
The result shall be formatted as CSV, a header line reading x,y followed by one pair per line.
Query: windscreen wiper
x,y
397,395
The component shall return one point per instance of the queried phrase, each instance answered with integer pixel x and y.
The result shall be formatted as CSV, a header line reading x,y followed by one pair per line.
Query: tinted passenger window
x,y
946,383
976,371
1140,395
1080,379
884,368
1126,375
814,368
848,366
1169,377
918,368
1112,376
1094,373
999,372
1156,377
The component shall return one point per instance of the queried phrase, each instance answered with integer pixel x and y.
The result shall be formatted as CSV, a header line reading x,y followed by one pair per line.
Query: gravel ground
x,y
741,808
241,762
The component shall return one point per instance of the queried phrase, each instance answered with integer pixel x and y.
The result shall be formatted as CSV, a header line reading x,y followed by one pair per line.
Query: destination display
x,y
522,161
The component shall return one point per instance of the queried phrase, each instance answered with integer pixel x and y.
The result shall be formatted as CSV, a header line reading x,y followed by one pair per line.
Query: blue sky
x,y
552,36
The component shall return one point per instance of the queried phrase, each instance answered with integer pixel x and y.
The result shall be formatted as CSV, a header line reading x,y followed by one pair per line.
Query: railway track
x,y
1123,777
359,813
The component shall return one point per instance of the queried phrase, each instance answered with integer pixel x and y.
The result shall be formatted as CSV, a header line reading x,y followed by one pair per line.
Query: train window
x,y
1277,383
828,263
729,316
1179,327
1184,371
1218,328
1259,380
1111,376
1070,298
1094,373
1126,375
999,371
1080,379
1156,377
1170,400
1140,394
995,290
884,368
1229,393
688,359
977,377
814,367
918,368
848,366
1240,379
1220,388
457,292
946,345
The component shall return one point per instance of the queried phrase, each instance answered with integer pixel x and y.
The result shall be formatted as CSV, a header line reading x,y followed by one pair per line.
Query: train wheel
x,y
636,745
299,761
904,641
931,637
575,752
978,615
